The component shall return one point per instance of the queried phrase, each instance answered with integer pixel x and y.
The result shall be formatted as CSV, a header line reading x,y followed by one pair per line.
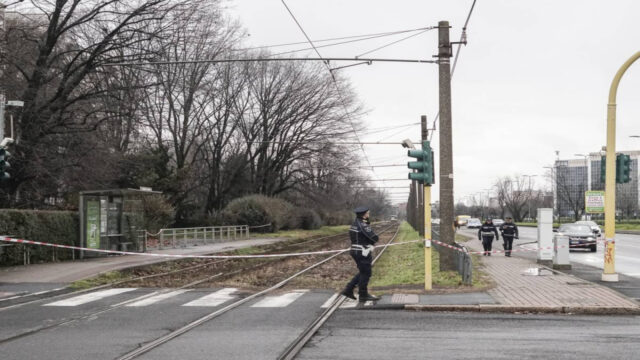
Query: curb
x,y
583,310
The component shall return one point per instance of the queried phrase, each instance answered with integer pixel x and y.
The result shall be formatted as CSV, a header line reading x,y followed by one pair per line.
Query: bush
x,y
341,217
256,210
58,227
305,218
158,213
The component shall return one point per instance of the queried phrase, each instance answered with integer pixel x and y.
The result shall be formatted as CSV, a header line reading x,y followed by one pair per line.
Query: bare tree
x,y
295,108
570,193
515,193
75,39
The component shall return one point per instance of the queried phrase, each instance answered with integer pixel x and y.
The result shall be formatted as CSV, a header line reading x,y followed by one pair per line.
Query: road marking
x,y
279,301
349,303
83,299
157,298
330,301
217,298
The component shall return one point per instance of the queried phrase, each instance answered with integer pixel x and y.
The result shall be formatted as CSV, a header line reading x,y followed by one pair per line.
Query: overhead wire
x,y
388,33
346,42
394,42
332,77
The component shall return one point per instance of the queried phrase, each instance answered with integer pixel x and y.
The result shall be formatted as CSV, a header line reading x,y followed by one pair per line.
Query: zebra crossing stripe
x,y
330,301
279,301
157,298
86,298
217,298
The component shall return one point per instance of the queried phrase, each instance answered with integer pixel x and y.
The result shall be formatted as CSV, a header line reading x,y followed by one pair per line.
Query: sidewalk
x,y
522,285
58,274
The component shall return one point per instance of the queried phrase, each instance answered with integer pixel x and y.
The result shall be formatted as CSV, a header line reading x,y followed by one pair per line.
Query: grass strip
x,y
404,265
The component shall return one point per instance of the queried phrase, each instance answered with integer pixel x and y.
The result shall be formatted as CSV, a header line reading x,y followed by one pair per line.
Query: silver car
x,y
497,222
580,236
474,223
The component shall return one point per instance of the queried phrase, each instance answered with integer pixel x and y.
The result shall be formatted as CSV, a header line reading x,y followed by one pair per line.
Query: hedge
x,y
256,210
59,227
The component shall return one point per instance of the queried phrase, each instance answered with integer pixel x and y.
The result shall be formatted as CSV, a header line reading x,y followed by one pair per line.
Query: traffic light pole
x,y
609,273
426,199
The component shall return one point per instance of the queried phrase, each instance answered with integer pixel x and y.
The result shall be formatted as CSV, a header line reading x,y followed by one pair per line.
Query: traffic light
x,y
623,168
603,169
4,164
424,165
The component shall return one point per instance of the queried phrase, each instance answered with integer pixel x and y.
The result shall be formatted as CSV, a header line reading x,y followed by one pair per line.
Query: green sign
x,y
93,224
594,202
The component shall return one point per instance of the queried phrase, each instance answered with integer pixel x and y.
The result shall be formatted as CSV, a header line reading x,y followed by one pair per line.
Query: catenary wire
x,y
393,42
388,33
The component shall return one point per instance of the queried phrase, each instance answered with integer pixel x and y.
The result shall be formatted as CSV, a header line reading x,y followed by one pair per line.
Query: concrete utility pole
x,y
2,69
425,136
447,233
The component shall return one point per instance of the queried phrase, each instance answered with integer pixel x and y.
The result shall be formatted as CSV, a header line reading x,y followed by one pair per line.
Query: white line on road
x,y
330,301
217,298
279,301
94,296
157,298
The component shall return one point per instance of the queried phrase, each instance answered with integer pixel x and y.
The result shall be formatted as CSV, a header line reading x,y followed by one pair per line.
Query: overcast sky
x,y
533,79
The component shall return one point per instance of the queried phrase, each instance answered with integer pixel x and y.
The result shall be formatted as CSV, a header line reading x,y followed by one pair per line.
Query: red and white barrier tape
x,y
504,251
116,252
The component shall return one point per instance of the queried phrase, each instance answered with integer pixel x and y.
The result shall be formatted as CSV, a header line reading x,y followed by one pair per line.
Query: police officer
x,y
509,231
485,234
362,240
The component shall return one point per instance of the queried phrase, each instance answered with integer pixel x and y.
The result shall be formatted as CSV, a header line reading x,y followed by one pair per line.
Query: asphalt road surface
x,y
374,334
259,329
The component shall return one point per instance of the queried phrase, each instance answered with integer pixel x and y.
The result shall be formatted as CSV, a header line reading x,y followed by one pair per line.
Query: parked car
x,y
497,222
594,227
474,223
580,236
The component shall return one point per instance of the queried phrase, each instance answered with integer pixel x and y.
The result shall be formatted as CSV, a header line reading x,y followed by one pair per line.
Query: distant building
x,y
575,176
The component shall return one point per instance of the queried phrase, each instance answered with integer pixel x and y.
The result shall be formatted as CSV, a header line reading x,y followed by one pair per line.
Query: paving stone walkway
x,y
517,286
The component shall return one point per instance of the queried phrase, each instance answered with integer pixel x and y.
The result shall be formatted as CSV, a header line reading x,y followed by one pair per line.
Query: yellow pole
x,y
427,237
609,272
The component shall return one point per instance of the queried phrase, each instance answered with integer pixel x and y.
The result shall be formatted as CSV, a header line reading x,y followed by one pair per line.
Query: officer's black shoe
x,y
348,293
368,297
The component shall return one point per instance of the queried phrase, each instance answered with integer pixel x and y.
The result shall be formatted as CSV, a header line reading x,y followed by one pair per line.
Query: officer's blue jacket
x,y
361,233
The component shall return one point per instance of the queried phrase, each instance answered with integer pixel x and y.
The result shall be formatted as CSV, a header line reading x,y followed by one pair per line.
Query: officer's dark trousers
x,y
486,244
508,244
364,273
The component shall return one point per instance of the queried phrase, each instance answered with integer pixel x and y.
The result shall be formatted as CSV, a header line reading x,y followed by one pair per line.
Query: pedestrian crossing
x,y
193,298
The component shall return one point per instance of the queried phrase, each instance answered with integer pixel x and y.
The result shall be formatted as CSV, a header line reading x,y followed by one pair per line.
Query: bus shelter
x,y
112,219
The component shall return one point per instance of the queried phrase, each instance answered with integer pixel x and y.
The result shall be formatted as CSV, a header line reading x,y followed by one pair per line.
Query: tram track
x,y
17,301
191,284
291,349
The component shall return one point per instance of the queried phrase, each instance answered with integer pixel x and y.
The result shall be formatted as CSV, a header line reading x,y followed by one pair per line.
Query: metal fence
x,y
461,258
183,237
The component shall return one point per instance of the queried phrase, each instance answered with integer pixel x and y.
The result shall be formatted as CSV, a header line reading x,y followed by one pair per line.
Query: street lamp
x,y
529,198
586,163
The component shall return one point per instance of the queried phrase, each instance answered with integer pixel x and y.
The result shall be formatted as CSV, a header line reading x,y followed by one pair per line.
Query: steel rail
x,y
104,286
186,328
296,346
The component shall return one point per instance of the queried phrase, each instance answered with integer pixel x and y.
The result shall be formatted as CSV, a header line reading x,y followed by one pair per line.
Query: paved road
x,y
352,334
261,328
627,251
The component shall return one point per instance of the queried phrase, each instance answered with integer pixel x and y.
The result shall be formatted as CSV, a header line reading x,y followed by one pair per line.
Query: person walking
x,y
485,234
362,240
509,231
